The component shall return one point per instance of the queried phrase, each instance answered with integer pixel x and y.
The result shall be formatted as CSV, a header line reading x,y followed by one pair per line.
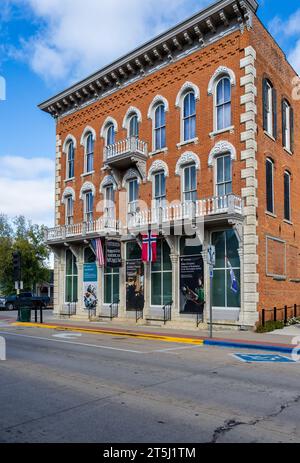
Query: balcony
x,y
125,153
81,231
208,210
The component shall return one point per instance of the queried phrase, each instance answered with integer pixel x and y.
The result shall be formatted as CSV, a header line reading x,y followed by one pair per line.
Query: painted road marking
x,y
67,335
263,358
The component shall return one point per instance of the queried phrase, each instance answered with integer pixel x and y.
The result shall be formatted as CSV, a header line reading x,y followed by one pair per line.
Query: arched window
x,y
109,201
189,117
190,183
89,153
110,135
70,160
287,126
223,175
270,185
160,128
159,188
133,195
69,206
71,284
287,196
88,206
133,126
223,104
269,108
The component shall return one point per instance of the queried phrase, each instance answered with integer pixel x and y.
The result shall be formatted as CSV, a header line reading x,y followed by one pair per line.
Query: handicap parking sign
x,y
263,358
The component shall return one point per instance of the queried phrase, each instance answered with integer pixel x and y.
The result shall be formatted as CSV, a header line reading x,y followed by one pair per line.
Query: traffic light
x,y
17,266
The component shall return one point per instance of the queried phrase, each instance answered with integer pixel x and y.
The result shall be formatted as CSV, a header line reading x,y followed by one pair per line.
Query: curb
x,y
153,337
240,345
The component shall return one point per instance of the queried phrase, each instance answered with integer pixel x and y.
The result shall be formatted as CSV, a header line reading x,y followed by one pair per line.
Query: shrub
x,y
270,326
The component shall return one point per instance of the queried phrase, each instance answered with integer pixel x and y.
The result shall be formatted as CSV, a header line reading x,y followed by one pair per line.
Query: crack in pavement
x,y
231,424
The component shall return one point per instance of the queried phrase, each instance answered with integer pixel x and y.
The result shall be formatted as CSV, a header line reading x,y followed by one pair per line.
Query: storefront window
x,y
161,276
89,256
111,285
134,277
192,295
71,277
227,275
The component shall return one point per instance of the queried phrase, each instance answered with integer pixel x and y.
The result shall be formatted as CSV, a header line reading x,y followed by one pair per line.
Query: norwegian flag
x,y
149,248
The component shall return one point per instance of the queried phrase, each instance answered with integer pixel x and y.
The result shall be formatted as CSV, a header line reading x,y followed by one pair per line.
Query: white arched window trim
x,y
68,192
158,166
132,111
187,158
107,123
86,187
108,181
85,133
222,71
157,101
131,174
222,147
69,138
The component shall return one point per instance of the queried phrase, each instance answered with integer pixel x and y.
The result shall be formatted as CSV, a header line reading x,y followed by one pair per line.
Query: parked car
x,y
26,300
2,302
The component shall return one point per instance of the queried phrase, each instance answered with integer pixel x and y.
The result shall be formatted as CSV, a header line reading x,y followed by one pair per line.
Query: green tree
x,y
23,236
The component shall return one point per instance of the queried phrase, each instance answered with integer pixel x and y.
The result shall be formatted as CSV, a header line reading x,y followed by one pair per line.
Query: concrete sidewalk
x,y
276,341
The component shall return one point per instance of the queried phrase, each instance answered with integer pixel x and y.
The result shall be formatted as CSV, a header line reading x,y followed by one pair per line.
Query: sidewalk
x,y
277,341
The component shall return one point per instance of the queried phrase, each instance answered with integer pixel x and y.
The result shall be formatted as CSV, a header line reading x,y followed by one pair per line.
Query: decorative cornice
x,y
204,28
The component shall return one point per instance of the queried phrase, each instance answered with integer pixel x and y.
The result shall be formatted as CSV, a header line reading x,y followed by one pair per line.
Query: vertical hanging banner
x,y
90,278
113,254
149,247
192,295
134,285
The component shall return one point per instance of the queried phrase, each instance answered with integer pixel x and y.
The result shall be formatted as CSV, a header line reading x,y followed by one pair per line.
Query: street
x,y
71,387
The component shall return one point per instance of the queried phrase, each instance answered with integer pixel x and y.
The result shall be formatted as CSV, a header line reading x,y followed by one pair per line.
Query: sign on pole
x,y
211,262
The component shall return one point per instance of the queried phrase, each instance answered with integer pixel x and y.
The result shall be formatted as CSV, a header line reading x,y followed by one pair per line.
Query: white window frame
x,y
157,101
217,105
288,174
288,137
68,176
109,201
273,192
191,116
132,205
183,188
86,154
160,200
88,214
270,111
69,210
218,184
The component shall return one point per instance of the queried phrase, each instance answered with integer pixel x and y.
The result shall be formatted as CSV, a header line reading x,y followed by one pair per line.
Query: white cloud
x,y
27,188
76,37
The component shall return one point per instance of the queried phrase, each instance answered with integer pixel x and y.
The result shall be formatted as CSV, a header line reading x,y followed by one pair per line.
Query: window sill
x,y
194,141
219,132
288,151
154,153
288,222
87,174
269,135
271,214
69,179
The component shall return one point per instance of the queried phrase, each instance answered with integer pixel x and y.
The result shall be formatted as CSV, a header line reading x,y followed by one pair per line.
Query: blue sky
x,y
45,45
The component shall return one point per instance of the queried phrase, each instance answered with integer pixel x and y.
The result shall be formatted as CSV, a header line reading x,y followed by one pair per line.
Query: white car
x,y
2,302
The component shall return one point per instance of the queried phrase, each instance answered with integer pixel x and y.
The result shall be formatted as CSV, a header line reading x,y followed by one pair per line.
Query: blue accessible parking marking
x,y
263,358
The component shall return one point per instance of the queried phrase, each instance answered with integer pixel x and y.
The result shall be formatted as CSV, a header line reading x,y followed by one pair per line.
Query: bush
x,y
293,321
270,326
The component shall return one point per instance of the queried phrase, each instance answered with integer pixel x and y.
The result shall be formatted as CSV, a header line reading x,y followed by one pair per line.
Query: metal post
x,y
295,310
210,303
263,317
35,315
275,314
41,315
285,314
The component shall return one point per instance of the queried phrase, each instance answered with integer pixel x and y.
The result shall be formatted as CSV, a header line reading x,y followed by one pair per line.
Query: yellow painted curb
x,y
153,337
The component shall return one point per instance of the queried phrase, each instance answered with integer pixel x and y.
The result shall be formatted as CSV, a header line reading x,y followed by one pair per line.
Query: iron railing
x,y
167,309
283,314
69,309
130,146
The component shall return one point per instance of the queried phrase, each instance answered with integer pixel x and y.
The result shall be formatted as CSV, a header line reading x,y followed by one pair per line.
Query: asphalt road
x,y
109,389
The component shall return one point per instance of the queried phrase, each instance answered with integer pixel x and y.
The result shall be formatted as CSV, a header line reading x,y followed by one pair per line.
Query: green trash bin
x,y
25,315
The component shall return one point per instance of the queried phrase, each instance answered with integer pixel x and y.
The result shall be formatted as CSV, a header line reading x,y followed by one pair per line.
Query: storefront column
x,y
99,288
206,281
79,254
175,283
147,289
59,281
122,290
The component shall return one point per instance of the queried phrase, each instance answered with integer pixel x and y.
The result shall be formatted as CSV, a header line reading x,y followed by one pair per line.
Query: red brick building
x,y
194,135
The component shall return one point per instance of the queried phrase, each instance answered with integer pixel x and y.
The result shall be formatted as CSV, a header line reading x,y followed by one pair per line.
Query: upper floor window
x,y
223,104
223,175
159,190
69,204
189,117
269,108
287,125
109,201
190,183
270,185
287,196
71,160
110,135
133,126
160,128
89,206
89,153
133,195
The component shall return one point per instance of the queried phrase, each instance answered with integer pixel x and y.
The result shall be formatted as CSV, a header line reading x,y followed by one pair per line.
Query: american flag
x,y
98,250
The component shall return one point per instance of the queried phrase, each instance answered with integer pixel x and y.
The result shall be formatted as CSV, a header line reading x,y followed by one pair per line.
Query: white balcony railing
x,y
130,146
187,211
100,226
